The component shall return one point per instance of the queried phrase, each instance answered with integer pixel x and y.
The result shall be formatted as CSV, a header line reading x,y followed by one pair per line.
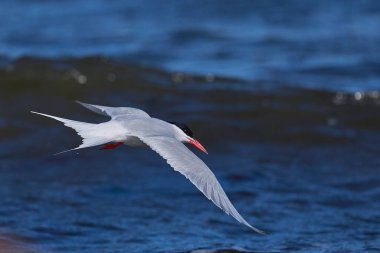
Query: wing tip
x,y
79,102
100,109
86,105
261,232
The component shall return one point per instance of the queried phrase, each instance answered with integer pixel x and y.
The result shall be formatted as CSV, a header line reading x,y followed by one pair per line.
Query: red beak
x,y
197,144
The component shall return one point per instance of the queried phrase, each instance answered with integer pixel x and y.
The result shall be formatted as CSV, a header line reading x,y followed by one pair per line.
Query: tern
x,y
134,127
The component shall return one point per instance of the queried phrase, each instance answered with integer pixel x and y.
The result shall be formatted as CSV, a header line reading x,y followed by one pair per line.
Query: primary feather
x,y
185,162
114,112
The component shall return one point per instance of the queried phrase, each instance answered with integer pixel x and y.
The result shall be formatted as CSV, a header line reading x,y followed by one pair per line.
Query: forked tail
x,y
87,131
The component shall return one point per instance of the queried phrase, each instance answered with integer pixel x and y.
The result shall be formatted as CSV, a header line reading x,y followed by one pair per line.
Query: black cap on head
x,y
183,127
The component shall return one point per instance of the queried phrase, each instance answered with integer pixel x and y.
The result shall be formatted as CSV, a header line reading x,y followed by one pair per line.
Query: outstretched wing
x,y
115,112
184,161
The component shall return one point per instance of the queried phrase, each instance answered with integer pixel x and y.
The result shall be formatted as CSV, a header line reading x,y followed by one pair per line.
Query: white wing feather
x,y
184,161
115,112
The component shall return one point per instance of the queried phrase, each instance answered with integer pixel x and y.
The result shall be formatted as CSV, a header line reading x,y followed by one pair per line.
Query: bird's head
x,y
184,134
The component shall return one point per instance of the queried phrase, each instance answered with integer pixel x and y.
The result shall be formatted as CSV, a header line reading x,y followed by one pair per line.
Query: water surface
x,y
284,95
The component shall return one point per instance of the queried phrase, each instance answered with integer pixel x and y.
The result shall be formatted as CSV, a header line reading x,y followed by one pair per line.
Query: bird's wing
x,y
114,112
184,161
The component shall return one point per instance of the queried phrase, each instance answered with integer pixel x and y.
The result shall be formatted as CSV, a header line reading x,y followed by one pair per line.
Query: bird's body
x,y
135,128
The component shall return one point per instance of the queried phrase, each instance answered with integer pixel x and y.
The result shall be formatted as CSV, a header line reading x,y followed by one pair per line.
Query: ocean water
x,y
284,95
317,44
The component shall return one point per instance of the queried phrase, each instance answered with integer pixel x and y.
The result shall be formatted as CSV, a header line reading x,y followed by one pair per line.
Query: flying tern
x,y
134,127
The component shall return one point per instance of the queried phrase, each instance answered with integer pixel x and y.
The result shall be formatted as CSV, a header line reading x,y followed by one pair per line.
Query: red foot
x,y
112,145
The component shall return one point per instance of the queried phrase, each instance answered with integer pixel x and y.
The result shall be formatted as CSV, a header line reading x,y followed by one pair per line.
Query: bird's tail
x,y
87,131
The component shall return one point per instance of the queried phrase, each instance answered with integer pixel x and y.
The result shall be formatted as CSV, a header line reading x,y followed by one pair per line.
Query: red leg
x,y
112,145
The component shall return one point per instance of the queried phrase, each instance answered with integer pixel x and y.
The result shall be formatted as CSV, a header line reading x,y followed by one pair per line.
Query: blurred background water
x,y
285,95
319,44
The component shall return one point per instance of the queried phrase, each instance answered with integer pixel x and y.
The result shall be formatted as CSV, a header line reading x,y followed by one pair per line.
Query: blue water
x,y
285,96
318,44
